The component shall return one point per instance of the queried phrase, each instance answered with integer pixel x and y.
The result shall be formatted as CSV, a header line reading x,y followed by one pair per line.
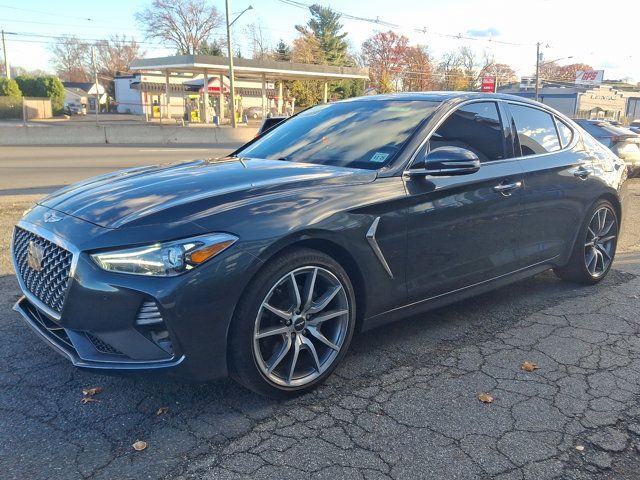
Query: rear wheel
x,y
595,246
294,326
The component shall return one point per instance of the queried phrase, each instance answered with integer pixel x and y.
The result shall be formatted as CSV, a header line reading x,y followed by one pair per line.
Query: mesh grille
x,y
50,283
102,346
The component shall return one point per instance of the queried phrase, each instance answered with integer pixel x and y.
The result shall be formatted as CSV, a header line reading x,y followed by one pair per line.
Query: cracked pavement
x,y
402,405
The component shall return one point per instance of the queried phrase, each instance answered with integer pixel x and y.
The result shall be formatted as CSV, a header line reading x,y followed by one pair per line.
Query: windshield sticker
x,y
379,157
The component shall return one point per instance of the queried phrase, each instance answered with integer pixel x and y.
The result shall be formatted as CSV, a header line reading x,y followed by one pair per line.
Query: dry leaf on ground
x,y
485,398
162,411
529,366
90,392
139,445
85,400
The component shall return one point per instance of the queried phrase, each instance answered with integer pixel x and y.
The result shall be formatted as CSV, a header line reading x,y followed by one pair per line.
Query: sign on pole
x,y
489,84
589,77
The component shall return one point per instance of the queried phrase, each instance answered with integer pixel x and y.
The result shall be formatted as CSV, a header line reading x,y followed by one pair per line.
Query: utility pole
x,y
230,52
7,70
95,78
537,70
232,106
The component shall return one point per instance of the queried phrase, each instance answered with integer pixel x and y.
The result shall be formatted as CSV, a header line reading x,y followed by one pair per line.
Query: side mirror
x,y
446,161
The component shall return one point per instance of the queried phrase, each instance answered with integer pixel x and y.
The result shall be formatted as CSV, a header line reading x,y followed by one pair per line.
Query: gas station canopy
x,y
246,68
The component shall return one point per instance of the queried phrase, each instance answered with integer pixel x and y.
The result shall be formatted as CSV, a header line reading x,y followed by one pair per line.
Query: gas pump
x,y
237,102
192,108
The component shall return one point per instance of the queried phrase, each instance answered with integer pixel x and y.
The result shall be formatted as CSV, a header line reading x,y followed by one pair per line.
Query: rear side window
x,y
476,127
536,130
566,134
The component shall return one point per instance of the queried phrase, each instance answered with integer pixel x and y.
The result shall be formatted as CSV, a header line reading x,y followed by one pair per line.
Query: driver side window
x,y
475,127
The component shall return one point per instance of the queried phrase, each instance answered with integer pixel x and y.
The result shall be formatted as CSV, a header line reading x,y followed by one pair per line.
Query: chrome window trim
x,y
443,119
554,116
56,239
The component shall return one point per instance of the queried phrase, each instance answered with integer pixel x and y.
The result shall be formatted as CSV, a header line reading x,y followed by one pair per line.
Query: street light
x,y
230,52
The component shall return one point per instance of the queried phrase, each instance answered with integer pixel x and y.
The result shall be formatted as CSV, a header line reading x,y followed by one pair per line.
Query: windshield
x,y
356,134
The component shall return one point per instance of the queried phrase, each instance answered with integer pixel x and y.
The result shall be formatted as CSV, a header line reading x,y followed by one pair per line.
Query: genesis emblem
x,y
35,255
51,217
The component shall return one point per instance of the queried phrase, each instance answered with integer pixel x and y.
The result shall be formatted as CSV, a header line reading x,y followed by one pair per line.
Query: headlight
x,y
165,259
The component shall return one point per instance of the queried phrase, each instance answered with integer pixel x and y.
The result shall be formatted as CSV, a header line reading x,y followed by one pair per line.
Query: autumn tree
x,y
385,54
185,24
504,73
561,73
417,75
70,59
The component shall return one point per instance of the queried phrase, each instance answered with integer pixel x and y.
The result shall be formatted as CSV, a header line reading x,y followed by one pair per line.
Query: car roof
x,y
443,96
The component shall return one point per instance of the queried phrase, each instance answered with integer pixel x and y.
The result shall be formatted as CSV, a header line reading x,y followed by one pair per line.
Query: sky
x,y
584,30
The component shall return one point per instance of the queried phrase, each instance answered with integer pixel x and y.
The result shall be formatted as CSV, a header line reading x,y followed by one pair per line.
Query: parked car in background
x,y
253,112
75,109
635,126
262,265
624,142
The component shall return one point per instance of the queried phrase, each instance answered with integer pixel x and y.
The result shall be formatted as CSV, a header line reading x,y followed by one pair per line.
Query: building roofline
x,y
249,68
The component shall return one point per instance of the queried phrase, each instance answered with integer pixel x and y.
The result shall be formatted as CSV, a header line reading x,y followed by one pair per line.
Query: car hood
x,y
150,194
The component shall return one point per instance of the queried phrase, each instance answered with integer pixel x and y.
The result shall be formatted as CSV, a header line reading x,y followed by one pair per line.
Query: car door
x,y
557,178
463,230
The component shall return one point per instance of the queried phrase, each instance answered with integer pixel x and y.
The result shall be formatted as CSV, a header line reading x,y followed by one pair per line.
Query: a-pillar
x,y
280,97
167,95
205,97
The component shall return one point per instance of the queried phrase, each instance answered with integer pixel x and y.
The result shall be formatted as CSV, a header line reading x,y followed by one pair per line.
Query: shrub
x,y
48,87
9,88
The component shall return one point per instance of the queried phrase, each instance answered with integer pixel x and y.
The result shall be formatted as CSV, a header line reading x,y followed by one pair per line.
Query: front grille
x,y
102,346
49,284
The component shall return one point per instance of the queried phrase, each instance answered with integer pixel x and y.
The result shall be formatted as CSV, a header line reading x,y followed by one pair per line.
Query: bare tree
x,y
70,59
259,39
116,54
184,23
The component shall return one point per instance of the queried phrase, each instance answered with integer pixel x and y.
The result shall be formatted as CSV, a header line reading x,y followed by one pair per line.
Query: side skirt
x,y
443,299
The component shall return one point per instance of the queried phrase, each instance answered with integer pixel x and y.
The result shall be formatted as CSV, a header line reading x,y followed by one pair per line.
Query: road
x,y
403,404
25,170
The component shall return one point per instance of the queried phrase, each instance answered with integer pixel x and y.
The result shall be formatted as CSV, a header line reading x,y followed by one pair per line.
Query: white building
x,y
84,93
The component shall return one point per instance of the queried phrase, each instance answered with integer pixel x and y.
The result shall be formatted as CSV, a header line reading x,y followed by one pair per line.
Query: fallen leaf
x,y
85,400
485,398
139,445
529,366
162,411
90,392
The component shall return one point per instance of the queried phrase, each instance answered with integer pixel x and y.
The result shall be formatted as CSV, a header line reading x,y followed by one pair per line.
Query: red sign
x,y
489,84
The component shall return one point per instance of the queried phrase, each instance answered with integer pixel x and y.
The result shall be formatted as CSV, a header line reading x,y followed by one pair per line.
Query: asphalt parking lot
x,y
404,404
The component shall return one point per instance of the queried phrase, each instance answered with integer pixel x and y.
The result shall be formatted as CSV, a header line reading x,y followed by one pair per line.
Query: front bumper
x,y
103,324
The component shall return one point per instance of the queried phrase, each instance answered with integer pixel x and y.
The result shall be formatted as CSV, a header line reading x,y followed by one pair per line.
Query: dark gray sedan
x,y
349,215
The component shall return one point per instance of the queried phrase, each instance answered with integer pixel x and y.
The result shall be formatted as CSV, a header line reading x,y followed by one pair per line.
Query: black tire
x,y
246,359
577,269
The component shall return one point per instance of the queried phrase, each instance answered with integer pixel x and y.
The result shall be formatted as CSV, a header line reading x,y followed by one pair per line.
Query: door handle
x,y
582,173
506,188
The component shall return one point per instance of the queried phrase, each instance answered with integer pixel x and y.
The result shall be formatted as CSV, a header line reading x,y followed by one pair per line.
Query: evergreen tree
x,y
325,27
282,52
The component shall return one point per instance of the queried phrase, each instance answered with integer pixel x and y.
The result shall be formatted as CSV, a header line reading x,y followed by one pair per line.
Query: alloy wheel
x,y
301,326
600,242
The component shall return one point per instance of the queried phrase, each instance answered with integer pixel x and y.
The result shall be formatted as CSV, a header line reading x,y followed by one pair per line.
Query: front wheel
x,y
294,326
595,246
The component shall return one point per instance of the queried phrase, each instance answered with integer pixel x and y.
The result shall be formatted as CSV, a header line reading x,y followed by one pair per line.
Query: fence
x,y
25,108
